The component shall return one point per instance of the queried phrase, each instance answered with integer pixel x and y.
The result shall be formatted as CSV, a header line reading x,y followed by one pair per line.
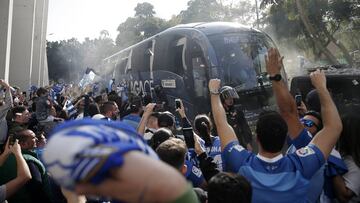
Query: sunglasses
x,y
308,123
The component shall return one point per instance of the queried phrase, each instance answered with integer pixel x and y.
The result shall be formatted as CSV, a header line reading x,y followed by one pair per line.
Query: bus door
x,y
197,75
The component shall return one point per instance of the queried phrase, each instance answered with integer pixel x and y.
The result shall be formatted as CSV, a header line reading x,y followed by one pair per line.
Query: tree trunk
x,y
313,35
341,47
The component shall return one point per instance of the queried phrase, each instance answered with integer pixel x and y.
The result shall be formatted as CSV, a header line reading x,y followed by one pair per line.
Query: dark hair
x,y
98,99
106,107
166,120
349,141
41,91
161,135
63,114
317,116
93,109
155,114
135,104
271,130
116,98
312,101
229,187
172,152
203,126
20,135
17,109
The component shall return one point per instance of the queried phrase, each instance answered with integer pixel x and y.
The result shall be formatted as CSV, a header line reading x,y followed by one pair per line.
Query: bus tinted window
x,y
241,58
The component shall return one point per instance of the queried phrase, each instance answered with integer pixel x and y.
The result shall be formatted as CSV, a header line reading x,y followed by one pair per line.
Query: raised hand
x,y
318,79
15,148
273,62
214,85
181,110
149,108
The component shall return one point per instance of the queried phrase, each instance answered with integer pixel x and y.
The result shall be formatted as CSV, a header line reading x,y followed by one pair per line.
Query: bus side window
x,y
121,66
140,61
175,56
199,75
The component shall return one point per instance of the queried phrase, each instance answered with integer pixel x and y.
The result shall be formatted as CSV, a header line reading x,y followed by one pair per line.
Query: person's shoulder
x,y
235,147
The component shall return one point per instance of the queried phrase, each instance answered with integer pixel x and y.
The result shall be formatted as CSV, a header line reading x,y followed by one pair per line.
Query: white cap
x,y
98,116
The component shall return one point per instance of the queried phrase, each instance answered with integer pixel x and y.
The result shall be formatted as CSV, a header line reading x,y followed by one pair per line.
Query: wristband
x,y
214,92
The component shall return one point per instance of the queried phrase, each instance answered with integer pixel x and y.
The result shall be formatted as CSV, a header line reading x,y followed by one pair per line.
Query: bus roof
x,y
211,28
208,28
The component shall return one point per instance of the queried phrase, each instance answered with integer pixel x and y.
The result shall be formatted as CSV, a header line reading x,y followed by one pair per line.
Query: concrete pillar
x,y
36,59
22,43
44,73
39,41
6,12
45,78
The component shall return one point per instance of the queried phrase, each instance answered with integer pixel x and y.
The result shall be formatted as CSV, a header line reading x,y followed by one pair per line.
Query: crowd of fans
x,y
105,146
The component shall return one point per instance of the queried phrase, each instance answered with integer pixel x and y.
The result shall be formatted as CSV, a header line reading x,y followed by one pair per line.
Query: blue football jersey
x,y
281,179
214,151
322,179
193,173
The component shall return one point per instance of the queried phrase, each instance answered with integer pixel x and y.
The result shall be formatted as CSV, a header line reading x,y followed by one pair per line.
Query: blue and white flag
x,y
69,108
87,79
86,150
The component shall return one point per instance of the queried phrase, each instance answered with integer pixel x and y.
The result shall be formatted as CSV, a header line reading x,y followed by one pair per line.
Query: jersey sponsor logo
x,y
305,151
196,171
236,147
271,167
213,149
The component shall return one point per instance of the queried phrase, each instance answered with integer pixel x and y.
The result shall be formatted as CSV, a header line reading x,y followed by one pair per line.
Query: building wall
x,y
6,9
22,43
23,25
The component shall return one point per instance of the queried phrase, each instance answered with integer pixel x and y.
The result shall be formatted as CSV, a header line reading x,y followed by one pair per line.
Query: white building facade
x,y
23,25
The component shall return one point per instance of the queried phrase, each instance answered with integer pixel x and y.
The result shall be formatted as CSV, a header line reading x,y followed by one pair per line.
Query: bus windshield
x,y
241,58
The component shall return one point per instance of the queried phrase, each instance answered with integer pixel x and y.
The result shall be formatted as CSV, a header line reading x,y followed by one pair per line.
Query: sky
x,y
86,18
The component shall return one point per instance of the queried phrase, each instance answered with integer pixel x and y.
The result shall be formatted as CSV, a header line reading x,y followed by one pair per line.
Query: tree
x,y
202,11
143,25
144,10
319,21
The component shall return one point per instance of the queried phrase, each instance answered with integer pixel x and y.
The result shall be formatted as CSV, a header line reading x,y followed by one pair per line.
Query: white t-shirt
x,y
352,178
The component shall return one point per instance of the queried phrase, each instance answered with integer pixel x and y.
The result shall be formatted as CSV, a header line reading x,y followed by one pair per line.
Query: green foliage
x,y
144,10
202,11
139,27
329,18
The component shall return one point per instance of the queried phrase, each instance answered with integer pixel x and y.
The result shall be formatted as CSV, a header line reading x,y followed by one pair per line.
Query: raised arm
x,y
326,138
185,122
23,172
144,119
224,130
285,101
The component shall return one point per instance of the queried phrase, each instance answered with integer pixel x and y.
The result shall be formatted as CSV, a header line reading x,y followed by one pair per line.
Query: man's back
x,y
280,179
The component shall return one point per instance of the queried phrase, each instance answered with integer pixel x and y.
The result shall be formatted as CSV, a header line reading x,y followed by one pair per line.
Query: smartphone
x,y
177,104
189,137
12,140
298,99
